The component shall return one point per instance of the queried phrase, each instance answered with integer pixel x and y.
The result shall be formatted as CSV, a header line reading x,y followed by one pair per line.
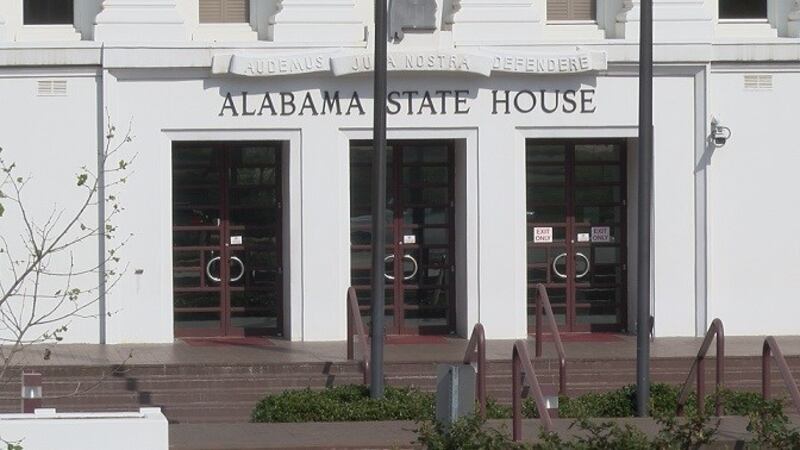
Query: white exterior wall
x,y
753,250
166,88
49,139
46,429
673,215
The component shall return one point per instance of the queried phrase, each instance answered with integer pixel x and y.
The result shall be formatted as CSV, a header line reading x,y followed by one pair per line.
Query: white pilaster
x,y
673,21
794,19
140,21
316,21
478,21
3,32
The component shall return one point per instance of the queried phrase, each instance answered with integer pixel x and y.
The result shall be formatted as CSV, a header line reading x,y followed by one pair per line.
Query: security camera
x,y
719,133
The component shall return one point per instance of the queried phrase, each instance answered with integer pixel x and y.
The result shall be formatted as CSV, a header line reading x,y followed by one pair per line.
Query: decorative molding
x,y
48,33
316,21
477,21
794,19
673,21
236,32
140,21
478,62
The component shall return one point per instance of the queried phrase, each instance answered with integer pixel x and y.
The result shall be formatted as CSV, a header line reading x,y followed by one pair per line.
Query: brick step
x,y
138,383
227,393
351,367
422,380
393,369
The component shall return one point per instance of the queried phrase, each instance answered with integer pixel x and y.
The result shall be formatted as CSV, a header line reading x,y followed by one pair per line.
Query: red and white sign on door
x,y
542,235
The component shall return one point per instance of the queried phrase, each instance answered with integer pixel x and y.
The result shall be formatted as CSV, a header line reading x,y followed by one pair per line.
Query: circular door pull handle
x,y
208,270
386,260
588,265
577,276
241,266
416,267
555,260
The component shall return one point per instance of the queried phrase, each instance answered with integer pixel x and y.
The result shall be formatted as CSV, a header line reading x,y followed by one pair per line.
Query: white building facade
x,y
512,128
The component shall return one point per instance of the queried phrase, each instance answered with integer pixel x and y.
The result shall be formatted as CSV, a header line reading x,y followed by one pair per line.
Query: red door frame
x,y
223,151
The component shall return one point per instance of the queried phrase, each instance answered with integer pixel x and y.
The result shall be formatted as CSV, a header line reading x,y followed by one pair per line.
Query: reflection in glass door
x,y
227,277
576,222
420,266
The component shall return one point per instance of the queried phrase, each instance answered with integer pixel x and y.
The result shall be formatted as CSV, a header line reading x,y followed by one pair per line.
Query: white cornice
x,y
200,55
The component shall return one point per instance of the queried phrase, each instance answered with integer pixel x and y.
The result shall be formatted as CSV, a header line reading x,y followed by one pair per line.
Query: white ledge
x,y
200,54
225,32
48,33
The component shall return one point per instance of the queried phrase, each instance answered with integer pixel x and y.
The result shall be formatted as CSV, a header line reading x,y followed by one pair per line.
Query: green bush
x,y
495,410
770,427
467,433
350,403
693,432
344,403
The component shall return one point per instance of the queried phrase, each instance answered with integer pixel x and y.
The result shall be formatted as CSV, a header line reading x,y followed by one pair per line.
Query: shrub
x,y
495,410
344,403
770,426
619,403
467,433
690,433
349,403
607,436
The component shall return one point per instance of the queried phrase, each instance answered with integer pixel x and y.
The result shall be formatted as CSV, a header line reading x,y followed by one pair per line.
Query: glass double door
x,y
227,276
576,223
419,266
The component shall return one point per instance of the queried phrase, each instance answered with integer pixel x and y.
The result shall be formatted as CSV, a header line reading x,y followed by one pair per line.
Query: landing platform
x,y
221,380
423,349
731,434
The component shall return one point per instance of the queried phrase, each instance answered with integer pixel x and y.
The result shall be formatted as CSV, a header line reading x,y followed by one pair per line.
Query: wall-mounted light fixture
x,y
719,133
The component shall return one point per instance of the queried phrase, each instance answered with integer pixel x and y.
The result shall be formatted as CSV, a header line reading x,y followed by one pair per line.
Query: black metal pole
x,y
378,201
645,207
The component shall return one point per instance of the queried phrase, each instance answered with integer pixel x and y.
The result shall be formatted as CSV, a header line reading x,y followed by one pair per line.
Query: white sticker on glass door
x,y
601,234
542,235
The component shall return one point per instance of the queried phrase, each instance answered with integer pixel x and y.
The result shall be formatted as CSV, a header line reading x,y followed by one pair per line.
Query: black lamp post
x,y
645,190
378,201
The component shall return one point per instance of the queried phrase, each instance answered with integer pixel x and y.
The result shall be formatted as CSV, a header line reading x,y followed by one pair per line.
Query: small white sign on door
x,y
236,240
583,237
542,235
601,234
409,239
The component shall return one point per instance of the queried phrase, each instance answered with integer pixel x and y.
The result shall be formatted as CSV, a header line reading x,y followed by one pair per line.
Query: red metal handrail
x,y
771,348
543,301
699,368
476,349
356,325
521,364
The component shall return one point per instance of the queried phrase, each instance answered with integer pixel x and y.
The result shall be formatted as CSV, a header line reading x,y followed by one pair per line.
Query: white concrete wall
x,y
50,138
673,219
47,430
754,273
188,105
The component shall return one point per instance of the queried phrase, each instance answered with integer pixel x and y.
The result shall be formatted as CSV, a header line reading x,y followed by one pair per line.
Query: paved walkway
x,y
237,352
377,435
